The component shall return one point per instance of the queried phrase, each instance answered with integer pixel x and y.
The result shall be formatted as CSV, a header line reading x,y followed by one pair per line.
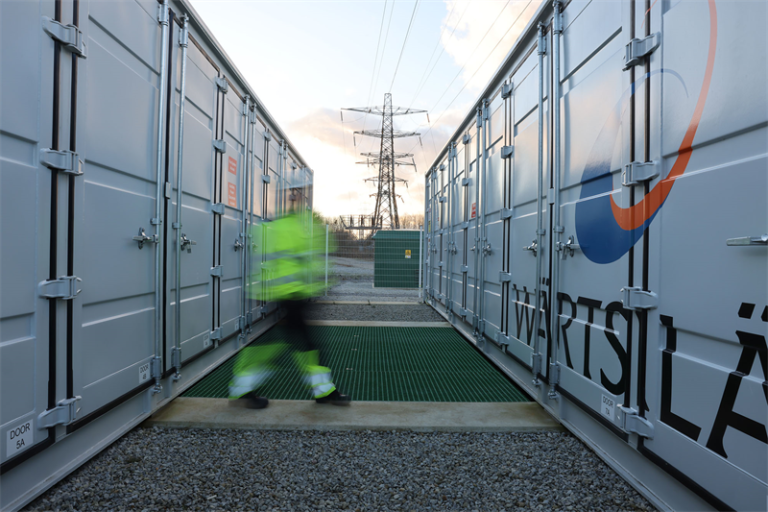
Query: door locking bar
x,y
142,238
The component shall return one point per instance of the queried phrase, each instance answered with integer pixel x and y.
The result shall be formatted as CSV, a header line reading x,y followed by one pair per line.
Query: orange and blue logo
x,y
605,230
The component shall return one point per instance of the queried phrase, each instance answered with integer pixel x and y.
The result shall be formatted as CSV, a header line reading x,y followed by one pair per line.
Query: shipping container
x,y
136,161
598,227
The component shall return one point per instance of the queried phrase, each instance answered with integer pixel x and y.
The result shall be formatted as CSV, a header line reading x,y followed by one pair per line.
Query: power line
x,y
376,57
422,80
405,42
473,53
476,70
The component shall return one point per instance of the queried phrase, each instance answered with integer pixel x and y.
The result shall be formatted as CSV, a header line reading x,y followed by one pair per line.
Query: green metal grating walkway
x,y
397,364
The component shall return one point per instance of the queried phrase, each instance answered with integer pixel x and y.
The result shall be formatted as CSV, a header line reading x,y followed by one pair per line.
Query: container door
x,y
230,249
492,251
523,129
594,328
472,189
444,234
196,201
457,220
434,253
114,318
26,200
256,196
707,354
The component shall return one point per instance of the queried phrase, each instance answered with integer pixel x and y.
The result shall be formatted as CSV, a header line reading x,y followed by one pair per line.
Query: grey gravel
x,y
168,469
353,281
374,312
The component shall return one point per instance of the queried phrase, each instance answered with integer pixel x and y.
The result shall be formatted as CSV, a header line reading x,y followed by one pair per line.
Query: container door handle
x,y
533,247
748,240
187,243
142,238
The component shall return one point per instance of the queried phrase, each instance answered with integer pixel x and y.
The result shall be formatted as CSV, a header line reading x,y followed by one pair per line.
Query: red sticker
x,y
232,165
232,195
474,210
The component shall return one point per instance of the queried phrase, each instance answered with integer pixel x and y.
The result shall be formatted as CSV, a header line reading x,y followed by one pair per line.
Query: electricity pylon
x,y
387,159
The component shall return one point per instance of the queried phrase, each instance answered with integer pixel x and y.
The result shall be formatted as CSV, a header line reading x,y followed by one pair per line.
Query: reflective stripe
x,y
323,390
242,384
320,378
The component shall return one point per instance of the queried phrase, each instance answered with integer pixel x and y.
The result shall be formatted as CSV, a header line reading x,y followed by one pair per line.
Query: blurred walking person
x,y
294,272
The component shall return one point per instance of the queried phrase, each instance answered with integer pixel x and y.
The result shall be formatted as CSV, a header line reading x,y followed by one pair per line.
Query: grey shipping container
x,y
609,249
135,159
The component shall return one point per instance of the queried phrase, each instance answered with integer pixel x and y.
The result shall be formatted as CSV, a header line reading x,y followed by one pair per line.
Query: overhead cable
x,y
405,42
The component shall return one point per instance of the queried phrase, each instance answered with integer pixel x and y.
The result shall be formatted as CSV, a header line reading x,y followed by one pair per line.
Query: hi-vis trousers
x,y
254,365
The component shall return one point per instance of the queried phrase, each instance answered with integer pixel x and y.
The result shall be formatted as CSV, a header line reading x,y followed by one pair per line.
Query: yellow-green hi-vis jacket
x,y
294,258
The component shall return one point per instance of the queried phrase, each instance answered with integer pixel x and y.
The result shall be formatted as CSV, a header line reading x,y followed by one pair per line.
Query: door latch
x,y
142,238
64,288
568,247
64,414
238,244
186,243
631,422
748,240
533,247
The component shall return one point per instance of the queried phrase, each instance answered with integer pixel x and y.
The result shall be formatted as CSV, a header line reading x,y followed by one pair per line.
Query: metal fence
x,y
366,264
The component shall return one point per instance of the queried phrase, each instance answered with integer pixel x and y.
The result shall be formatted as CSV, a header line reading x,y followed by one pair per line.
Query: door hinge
x,y
554,374
176,357
465,139
637,172
501,340
636,298
242,323
443,199
220,145
68,35
248,318
535,365
62,161
506,90
631,422
507,151
216,271
466,181
64,414
222,84
157,368
216,335
505,277
638,49
218,208
442,167
463,312
65,288
267,135
506,213
167,190
551,196
266,178
464,269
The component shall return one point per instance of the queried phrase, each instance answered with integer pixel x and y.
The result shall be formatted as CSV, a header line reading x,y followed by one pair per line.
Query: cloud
x,y
478,35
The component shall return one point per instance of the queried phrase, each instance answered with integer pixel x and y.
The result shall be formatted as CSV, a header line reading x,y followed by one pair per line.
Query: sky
x,y
308,59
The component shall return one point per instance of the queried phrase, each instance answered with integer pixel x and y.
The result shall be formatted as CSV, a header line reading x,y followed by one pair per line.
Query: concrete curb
x,y
364,323
220,413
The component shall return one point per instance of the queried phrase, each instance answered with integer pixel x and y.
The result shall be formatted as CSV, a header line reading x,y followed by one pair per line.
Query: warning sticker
x,y
407,254
19,438
474,211
232,183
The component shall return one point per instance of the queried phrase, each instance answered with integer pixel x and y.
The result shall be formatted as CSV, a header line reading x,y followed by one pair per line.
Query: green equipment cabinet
x,y
396,259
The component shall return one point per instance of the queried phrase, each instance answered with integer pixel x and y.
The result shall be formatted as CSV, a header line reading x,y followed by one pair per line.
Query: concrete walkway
x,y
307,415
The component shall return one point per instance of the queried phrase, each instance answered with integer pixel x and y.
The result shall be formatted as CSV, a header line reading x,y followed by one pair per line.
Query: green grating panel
x,y
397,364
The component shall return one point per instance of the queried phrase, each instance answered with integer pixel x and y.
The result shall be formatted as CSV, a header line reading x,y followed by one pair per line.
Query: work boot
x,y
335,398
252,401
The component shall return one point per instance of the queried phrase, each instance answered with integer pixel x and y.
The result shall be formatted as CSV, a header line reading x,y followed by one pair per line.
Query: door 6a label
x,y
608,407
19,438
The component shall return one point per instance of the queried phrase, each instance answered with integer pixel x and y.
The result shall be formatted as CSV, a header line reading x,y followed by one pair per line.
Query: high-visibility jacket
x,y
294,254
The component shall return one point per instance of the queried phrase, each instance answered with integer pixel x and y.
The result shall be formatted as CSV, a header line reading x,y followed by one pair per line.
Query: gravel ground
x,y
375,313
361,288
163,469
